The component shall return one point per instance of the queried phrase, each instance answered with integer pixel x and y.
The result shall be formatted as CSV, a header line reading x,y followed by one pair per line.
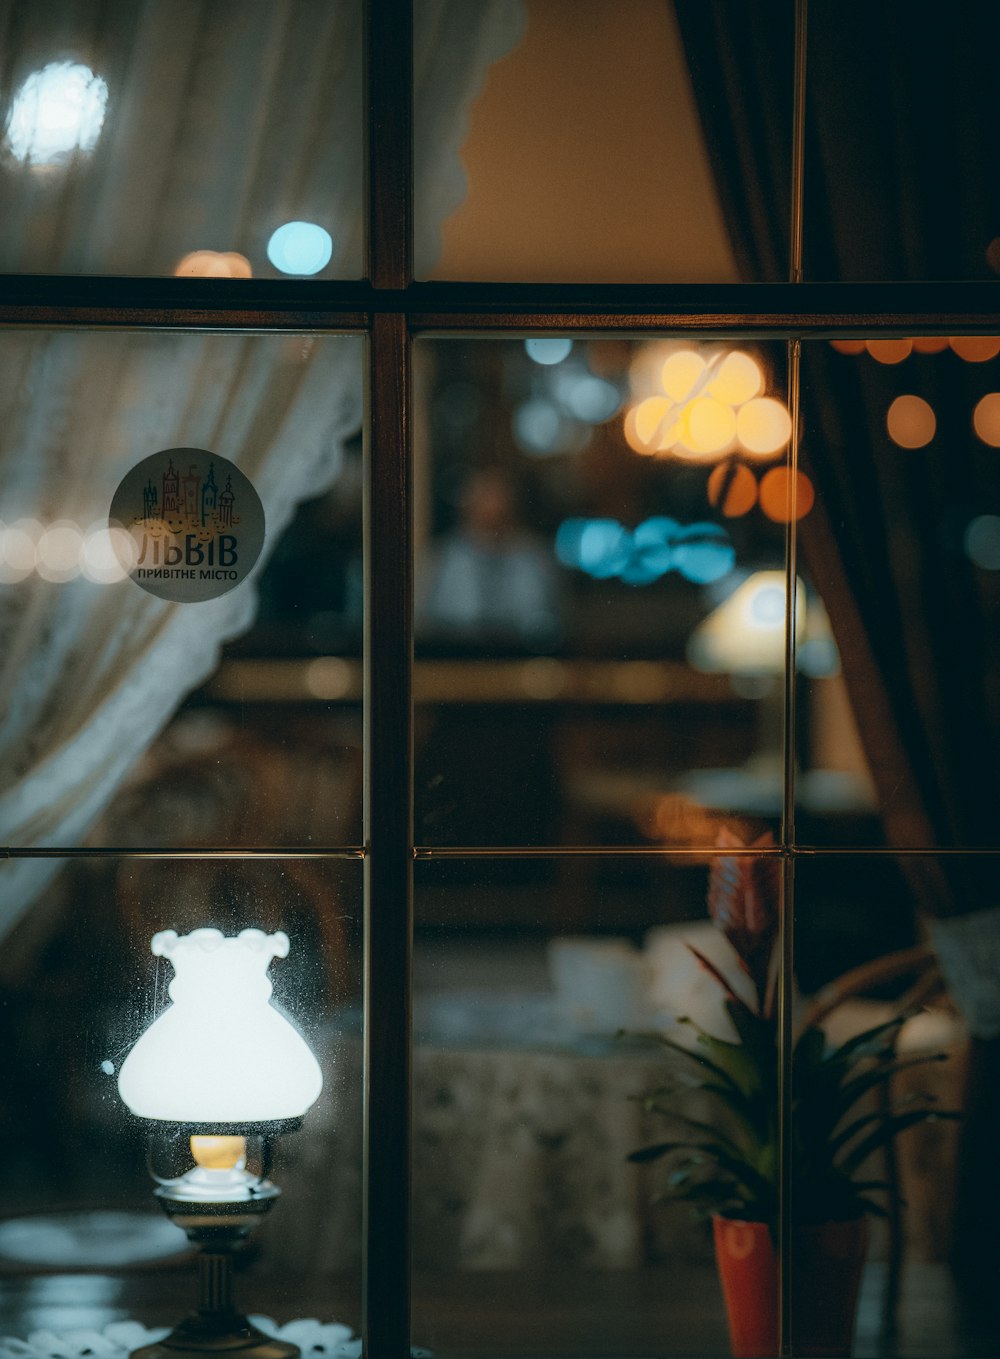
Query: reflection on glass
x,y
561,578
900,544
543,1188
896,1010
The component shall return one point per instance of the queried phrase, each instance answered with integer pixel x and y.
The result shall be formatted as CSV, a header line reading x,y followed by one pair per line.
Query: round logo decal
x,y
195,524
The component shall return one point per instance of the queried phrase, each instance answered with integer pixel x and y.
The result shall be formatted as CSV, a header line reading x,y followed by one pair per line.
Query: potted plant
x,y
726,1164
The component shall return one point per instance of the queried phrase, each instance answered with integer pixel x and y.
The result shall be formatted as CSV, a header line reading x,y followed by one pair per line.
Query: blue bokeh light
x,y
982,542
703,553
301,248
547,350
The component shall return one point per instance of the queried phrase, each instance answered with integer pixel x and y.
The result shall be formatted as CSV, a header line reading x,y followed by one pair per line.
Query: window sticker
x,y
195,524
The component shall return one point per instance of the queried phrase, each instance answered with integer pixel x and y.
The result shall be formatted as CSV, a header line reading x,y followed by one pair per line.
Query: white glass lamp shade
x,y
220,1054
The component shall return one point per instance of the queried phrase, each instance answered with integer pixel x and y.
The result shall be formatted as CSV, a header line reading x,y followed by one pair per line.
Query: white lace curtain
x,y
224,119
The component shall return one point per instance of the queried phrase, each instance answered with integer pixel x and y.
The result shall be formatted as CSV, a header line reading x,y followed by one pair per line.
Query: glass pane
x,y
222,140
537,1031
600,590
79,984
120,729
904,1214
899,671
902,170
608,143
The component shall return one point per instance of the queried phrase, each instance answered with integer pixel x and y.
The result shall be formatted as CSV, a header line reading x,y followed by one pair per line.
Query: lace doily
x,y
325,1339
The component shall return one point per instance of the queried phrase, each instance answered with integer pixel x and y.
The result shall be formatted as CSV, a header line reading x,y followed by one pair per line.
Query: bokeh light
x,y
732,488
18,550
108,554
708,426
763,426
546,350
213,264
982,542
930,344
986,419
848,346
975,348
301,248
58,111
537,425
739,379
681,374
911,422
889,351
58,551
703,553
655,424
586,397
783,497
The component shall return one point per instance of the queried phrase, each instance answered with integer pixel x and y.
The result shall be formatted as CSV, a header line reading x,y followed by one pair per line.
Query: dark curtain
x,y
902,182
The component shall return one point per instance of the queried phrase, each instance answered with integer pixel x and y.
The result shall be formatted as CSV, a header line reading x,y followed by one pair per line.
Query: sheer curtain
x,y
223,121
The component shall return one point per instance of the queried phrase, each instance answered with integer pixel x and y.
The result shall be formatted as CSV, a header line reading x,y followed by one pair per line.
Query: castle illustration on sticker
x,y
195,524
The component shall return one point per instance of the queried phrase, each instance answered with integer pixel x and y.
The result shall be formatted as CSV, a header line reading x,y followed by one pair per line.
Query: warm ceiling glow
x,y
986,419
681,374
763,426
975,348
739,379
58,111
889,351
708,426
911,422
732,488
782,498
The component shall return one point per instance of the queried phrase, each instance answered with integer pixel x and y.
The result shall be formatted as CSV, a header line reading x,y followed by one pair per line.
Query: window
x,y
430,814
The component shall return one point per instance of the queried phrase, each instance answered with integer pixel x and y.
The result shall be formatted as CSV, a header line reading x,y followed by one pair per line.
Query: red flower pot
x,y
825,1274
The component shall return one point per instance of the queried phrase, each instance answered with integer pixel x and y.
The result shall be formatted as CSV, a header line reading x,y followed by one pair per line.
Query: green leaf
x,y
887,1131
658,1149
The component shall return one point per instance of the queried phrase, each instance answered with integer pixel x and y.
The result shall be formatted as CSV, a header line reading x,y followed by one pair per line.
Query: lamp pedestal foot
x,y
217,1328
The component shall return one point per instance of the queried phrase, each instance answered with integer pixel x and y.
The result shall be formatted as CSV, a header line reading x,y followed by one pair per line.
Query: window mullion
x,y
388,682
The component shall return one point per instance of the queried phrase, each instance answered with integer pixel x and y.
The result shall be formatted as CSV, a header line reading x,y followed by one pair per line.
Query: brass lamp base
x,y
216,1328
218,1333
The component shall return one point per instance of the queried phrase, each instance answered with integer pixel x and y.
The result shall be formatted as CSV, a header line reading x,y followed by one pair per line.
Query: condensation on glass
x,y
542,989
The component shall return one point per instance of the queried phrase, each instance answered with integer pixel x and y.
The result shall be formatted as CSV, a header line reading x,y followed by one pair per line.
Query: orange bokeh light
x,y
889,351
911,422
848,346
975,348
782,499
732,488
986,419
930,344
213,264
